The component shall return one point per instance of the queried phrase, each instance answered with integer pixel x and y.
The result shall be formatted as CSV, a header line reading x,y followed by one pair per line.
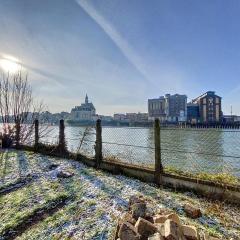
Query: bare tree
x,y
17,107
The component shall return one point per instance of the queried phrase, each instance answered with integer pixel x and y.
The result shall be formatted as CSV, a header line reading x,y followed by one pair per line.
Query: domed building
x,y
85,112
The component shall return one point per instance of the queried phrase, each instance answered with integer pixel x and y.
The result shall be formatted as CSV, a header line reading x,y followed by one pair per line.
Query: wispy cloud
x,y
116,37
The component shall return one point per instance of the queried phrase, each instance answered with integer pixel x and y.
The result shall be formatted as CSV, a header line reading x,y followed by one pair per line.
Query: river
x,y
189,150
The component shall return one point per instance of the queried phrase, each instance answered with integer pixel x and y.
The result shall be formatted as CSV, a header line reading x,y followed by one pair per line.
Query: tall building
x,y
156,109
170,108
210,107
176,107
85,112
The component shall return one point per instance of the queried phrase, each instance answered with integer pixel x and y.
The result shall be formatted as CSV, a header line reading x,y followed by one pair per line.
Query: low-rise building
x,y
103,118
231,119
137,117
131,117
119,117
52,118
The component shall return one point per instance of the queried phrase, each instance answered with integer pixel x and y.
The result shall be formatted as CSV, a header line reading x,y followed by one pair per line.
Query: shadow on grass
x,y
2,167
41,189
19,183
43,162
33,218
23,164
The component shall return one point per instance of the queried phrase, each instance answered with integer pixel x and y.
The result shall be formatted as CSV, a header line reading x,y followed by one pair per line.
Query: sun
x,y
10,64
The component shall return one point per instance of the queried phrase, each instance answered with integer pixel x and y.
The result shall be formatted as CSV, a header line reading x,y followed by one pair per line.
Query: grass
x,y
18,206
8,165
221,178
95,199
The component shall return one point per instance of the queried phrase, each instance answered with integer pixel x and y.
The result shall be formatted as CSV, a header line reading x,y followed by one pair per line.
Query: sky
x,y
123,52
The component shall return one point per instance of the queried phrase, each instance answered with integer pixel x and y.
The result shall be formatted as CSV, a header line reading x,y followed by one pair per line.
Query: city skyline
x,y
121,58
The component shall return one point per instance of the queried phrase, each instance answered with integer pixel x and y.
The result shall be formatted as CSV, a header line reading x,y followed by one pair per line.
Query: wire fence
x,y
78,140
183,150
129,145
214,151
82,142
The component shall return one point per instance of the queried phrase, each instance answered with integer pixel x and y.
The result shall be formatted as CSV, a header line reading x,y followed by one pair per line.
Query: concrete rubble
x,y
138,224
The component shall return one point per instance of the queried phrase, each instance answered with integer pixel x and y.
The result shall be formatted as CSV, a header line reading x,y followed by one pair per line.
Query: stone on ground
x,y
207,237
127,217
145,228
192,211
138,210
128,232
159,219
134,199
172,230
156,236
64,173
190,232
160,228
53,166
174,217
149,218
142,222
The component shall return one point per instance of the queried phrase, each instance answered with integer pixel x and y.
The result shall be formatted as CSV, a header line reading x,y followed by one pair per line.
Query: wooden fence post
x,y
62,143
36,125
98,144
158,163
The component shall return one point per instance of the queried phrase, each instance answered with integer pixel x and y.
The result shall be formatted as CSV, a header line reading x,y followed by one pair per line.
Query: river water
x,y
189,150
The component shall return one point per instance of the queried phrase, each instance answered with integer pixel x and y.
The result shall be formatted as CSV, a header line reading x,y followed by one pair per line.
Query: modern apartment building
x,y
176,107
210,107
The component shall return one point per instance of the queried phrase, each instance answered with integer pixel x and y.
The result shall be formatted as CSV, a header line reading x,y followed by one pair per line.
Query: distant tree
x,y
17,107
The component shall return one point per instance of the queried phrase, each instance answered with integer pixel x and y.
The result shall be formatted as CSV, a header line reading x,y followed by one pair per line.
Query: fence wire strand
x,y
213,151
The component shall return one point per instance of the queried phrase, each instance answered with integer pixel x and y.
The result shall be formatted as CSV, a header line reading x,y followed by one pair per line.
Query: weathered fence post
x,y
36,125
62,143
158,163
98,144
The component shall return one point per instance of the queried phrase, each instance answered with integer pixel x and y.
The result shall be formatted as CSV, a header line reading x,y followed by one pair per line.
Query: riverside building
x,y
168,108
85,112
210,107
156,109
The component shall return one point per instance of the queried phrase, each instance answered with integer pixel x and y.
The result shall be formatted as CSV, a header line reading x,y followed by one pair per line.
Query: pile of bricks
x,y
139,224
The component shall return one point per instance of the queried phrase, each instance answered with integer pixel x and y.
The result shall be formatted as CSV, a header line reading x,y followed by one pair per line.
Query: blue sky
x,y
123,52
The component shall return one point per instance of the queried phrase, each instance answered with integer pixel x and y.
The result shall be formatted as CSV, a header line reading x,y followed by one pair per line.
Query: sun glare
x,y
10,64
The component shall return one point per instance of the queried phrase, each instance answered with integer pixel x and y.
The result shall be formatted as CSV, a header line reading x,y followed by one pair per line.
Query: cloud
x,y
116,37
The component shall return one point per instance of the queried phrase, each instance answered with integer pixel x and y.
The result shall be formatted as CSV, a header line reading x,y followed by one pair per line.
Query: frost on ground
x,y
95,200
